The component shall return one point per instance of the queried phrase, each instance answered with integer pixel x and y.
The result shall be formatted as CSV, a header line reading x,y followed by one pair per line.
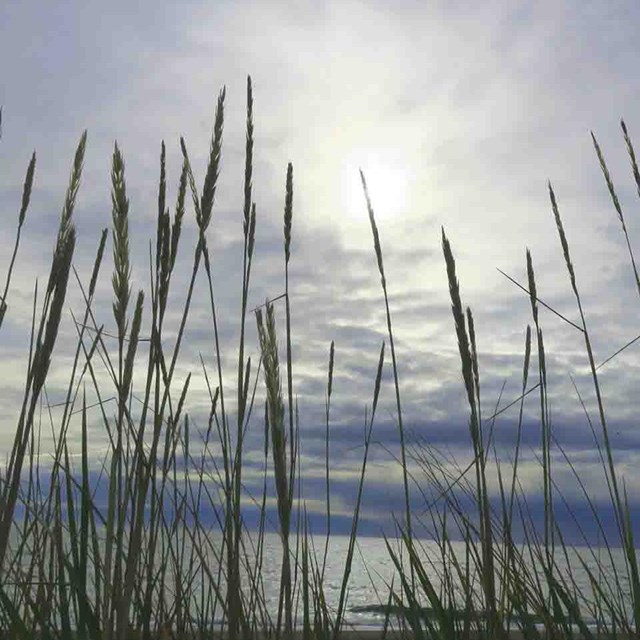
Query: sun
x,y
387,183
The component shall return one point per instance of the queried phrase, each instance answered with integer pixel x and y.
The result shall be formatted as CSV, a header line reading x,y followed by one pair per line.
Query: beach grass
x,y
147,565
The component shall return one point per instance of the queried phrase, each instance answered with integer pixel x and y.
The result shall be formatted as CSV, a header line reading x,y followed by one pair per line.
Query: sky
x,y
458,114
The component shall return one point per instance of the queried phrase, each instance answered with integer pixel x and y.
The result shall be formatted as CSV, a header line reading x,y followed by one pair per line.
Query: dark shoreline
x,y
349,634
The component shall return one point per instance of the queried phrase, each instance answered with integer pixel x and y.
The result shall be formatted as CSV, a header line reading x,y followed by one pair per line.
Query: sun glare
x,y
387,183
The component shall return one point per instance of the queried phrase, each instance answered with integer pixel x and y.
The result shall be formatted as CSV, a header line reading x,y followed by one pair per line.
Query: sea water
x,y
373,571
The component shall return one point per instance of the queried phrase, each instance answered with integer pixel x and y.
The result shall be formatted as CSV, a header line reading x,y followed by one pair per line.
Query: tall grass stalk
x,y
269,349
468,357
26,197
623,519
46,338
378,251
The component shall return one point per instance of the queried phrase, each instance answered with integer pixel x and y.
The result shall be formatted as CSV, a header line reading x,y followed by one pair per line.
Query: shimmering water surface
x,y
373,570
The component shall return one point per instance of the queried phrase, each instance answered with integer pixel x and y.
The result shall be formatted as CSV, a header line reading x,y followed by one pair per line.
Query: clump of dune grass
x,y
148,565
522,588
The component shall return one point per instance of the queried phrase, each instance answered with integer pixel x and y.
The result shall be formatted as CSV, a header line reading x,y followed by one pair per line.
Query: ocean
x,y
372,572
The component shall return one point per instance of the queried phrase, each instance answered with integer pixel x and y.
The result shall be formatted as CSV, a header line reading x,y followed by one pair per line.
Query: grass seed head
x,y
533,293
374,229
288,212
192,186
607,177
120,218
177,221
563,238
74,182
632,155
248,166
213,168
26,189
